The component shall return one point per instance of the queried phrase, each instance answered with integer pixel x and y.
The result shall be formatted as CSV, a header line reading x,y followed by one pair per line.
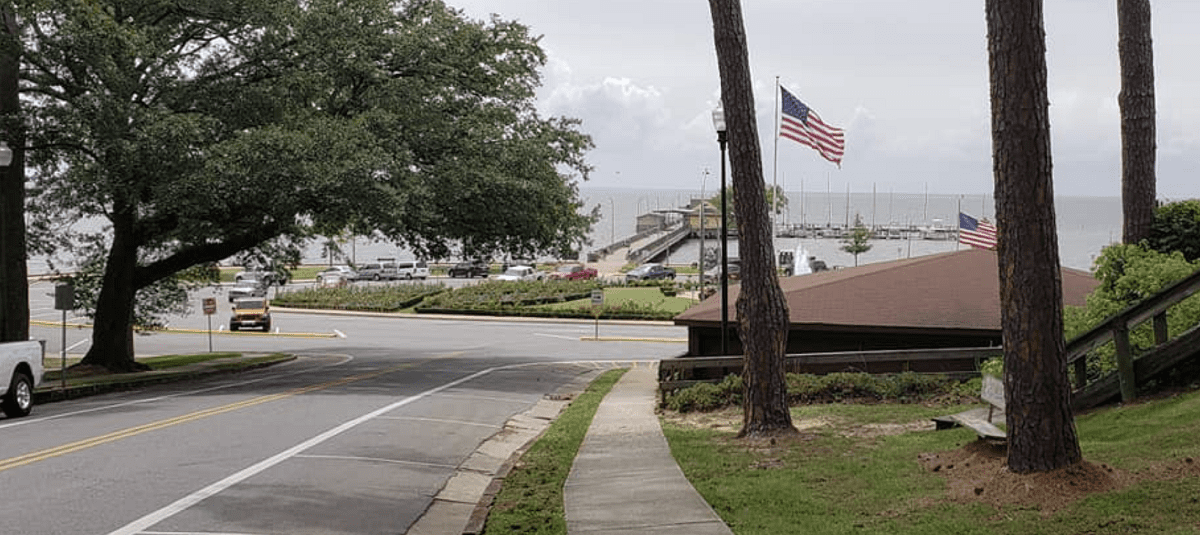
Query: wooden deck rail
x,y
1116,329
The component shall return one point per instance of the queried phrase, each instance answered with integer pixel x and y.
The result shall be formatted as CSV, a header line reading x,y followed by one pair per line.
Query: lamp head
x,y
718,115
6,154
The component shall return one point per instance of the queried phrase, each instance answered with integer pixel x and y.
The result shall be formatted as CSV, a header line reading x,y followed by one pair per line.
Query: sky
x,y
907,80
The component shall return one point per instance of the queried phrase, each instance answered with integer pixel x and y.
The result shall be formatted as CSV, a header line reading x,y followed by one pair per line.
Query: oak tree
x,y
198,131
14,289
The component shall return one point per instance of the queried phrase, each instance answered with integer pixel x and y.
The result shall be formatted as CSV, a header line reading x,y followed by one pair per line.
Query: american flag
x,y
802,125
972,232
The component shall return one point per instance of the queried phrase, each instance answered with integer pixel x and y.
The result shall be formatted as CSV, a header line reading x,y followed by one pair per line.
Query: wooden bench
x,y
981,420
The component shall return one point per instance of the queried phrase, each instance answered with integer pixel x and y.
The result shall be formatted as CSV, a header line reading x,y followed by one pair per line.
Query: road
x,y
354,436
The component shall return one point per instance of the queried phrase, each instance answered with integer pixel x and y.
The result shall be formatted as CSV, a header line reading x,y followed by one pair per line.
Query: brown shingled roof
x,y
955,290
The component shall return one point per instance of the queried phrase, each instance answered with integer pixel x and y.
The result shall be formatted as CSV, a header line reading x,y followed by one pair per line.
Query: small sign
x,y
64,297
210,306
597,297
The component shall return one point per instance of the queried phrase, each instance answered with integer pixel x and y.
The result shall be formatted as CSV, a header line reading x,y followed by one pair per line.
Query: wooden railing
x,y
1116,329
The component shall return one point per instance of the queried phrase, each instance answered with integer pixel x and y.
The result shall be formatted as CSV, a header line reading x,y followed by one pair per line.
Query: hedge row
x,y
388,298
808,388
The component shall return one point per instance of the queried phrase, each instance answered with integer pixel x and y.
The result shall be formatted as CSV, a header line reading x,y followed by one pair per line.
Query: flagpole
x,y
775,171
958,238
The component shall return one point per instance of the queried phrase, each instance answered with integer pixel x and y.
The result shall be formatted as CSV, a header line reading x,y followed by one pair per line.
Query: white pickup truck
x,y
20,372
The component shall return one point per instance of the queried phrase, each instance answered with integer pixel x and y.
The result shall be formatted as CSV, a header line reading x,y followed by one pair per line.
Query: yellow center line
x,y
37,456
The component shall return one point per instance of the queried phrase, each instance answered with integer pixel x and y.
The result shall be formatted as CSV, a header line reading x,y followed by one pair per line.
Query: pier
x,y
661,231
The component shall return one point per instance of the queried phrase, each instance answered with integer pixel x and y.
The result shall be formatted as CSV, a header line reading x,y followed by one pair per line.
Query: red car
x,y
573,272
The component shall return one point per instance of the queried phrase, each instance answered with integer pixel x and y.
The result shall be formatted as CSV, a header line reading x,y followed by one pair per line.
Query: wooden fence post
x,y
1160,328
1125,362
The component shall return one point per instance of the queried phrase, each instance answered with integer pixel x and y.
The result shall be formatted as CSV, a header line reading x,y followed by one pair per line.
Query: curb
x,y
52,393
464,317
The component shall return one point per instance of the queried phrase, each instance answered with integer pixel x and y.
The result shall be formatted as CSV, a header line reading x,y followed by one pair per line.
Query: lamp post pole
x,y
703,216
612,224
719,123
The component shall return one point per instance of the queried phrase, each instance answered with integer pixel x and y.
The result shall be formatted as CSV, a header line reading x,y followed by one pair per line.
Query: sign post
x,y
597,302
210,308
64,300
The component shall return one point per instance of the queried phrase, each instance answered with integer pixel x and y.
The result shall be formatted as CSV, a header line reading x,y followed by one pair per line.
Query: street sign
x,y
64,297
597,297
210,305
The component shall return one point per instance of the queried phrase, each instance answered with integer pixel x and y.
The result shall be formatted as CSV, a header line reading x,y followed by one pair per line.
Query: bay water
x,y
1085,225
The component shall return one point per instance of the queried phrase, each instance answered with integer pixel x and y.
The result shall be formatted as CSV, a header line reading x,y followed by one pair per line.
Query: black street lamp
x,y
719,124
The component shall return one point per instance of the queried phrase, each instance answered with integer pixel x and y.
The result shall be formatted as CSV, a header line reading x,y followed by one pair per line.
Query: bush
x,y
808,388
1128,274
1176,227
699,397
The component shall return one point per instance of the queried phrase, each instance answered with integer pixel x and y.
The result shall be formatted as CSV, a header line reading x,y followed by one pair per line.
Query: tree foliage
x,y
1129,273
858,241
201,131
777,201
1176,227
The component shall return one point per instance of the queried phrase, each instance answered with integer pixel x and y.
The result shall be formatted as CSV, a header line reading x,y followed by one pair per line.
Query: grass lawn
x,y
300,273
859,469
220,360
640,296
531,500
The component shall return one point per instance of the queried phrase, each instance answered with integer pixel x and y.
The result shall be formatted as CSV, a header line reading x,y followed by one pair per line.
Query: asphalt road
x,y
354,436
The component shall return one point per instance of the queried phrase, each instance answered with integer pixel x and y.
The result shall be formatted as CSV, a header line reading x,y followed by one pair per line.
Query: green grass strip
x,y
531,500
837,481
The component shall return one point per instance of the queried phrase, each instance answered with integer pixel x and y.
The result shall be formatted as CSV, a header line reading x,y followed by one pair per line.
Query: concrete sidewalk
x,y
624,479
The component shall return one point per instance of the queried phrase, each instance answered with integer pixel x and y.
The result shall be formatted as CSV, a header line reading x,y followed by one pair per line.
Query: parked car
x,y
336,276
268,276
250,312
469,269
416,269
20,373
248,288
521,273
573,272
378,271
714,275
650,272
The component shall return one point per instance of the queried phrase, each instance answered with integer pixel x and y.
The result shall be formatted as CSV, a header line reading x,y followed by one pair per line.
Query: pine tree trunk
x,y
14,284
112,334
1041,428
761,309
1138,144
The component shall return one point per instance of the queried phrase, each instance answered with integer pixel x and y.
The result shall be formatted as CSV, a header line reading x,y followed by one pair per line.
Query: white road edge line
x,y
137,526
339,334
79,343
558,336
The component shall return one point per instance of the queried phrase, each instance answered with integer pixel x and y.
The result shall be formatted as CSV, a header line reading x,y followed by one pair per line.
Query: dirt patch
x,y
976,472
730,420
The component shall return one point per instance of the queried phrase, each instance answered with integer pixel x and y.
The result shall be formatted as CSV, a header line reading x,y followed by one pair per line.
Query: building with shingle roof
x,y
937,301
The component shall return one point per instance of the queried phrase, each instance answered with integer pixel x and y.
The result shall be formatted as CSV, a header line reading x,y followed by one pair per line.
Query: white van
x,y
415,269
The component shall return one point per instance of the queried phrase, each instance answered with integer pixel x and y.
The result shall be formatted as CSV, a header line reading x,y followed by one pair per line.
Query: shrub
x,y
808,388
699,397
